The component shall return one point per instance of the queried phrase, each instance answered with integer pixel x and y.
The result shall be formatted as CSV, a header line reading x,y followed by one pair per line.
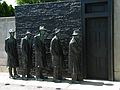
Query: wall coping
x,y
7,17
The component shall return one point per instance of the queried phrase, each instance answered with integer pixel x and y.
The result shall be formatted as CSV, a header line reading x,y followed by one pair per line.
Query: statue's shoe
x,y
42,77
75,82
57,80
30,76
16,76
24,78
39,79
45,77
11,77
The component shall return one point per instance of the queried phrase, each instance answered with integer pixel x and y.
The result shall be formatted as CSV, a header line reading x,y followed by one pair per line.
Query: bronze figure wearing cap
x,y
12,53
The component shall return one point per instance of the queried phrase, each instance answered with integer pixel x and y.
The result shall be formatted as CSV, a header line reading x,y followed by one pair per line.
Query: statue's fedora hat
x,y
42,28
75,33
28,32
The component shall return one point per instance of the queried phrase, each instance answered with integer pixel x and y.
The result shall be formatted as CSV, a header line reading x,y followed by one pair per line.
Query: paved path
x,y
10,84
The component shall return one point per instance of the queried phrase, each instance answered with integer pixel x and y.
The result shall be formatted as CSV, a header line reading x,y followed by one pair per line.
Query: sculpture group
x,y
56,50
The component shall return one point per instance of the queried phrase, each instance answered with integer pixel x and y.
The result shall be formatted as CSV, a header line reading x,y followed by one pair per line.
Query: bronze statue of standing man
x,y
12,53
40,53
75,57
27,53
57,56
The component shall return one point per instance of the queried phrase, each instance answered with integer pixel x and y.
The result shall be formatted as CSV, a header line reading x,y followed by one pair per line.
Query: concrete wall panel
x,y
117,39
6,23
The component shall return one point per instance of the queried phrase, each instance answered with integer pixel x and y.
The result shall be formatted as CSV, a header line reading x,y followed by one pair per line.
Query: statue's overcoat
x,y
27,52
57,57
75,59
12,53
40,52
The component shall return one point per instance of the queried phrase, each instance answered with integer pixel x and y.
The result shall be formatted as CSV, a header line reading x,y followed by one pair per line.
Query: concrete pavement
x,y
11,84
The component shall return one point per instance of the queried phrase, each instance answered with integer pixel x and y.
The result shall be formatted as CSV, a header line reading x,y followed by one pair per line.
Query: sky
x,y
12,2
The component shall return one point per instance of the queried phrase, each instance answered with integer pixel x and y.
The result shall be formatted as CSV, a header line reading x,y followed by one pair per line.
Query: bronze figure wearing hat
x,y
27,53
75,57
40,53
57,56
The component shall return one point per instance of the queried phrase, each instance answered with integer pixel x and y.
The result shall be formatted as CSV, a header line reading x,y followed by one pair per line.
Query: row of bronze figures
x,y
27,43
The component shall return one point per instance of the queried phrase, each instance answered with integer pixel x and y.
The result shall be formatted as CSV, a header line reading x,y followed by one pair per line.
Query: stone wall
x,y
63,15
6,23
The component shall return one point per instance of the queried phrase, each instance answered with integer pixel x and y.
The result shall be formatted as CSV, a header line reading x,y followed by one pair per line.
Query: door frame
x,y
109,14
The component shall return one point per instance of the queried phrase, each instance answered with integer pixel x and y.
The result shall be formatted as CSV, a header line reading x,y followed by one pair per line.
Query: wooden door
x,y
97,47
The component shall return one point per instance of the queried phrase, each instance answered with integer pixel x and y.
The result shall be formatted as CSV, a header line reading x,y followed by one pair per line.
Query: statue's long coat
x,y
40,52
12,53
57,57
27,52
75,59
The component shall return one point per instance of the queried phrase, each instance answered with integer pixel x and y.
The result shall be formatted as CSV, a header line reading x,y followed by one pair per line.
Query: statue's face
x,y
28,35
77,36
58,34
42,32
12,34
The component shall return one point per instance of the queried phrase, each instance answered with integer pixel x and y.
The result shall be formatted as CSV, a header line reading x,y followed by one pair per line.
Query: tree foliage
x,y
20,2
11,11
5,10
1,10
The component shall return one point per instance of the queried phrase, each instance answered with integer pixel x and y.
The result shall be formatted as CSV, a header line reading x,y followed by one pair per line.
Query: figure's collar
x,y
57,37
11,37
